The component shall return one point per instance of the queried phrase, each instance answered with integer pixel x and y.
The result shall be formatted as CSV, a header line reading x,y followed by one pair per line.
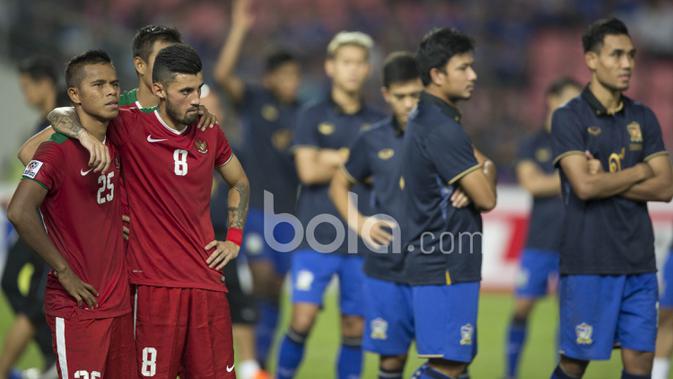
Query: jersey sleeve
x,y
525,151
46,167
653,143
223,153
306,133
451,152
567,137
357,167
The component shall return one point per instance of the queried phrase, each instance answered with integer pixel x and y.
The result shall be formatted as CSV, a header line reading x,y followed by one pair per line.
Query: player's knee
x,y
573,367
302,322
522,310
450,368
392,363
666,317
352,326
637,362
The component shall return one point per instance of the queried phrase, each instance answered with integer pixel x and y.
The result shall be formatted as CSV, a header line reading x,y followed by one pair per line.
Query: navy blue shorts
x,y
256,248
537,270
389,317
666,299
599,312
312,272
445,317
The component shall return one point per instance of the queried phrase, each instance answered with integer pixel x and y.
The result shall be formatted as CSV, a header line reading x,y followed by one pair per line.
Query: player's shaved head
x,y
148,35
176,59
74,71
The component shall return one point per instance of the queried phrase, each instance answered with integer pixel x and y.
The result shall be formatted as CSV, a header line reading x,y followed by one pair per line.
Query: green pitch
x,y
538,358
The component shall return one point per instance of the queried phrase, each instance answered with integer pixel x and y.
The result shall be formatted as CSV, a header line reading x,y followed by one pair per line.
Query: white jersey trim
x,y
176,132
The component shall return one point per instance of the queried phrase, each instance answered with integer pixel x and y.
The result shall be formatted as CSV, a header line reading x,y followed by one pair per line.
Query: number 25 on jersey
x,y
106,188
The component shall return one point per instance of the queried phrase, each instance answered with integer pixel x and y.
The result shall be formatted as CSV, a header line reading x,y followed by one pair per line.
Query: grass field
x,y
538,359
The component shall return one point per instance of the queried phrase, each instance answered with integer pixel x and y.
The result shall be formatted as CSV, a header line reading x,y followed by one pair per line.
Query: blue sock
x,y
290,354
626,375
349,363
430,373
266,329
516,337
559,374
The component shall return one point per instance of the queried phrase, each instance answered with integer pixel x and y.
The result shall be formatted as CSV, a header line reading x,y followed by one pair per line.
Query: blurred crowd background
x,y
522,45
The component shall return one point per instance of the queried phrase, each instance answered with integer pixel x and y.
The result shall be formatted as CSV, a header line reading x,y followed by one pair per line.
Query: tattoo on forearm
x,y
65,122
239,195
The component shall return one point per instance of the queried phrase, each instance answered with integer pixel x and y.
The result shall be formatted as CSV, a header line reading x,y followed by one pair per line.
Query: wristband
x,y
235,235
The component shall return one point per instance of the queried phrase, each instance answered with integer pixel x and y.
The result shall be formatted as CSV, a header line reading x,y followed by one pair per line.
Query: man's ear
x,y
159,90
139,65
73,94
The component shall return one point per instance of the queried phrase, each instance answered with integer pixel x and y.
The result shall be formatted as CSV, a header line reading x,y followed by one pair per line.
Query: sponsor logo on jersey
x,y
543,155
634,132
326,128
594,131
385,154
32,169
85,173
154,140
270,112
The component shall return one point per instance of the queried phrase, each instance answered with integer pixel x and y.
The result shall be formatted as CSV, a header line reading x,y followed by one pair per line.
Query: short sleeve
x,y
451,152
46,167
567,135
357,167
306,133
525,151
119,128
223,153
653,143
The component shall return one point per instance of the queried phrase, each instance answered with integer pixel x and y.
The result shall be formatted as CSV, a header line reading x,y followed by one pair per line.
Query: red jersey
x,y
168,177
82,216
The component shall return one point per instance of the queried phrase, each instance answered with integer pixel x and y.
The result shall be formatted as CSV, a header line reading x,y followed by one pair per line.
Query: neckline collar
x,y
445,107
596,105
163,123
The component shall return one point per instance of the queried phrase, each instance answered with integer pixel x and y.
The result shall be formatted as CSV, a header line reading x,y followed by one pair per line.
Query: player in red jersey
x,y
87,301
182,318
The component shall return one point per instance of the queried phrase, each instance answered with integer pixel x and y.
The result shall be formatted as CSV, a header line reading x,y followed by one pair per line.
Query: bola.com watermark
x,y
428,243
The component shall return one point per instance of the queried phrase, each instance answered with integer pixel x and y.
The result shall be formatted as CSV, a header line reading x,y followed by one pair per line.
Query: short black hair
x,y
39,68
399,67
73,69
148,35
176,59
593,37
557,86
277,59
437,48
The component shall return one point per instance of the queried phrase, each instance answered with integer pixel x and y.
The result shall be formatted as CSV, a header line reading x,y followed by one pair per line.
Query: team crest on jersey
x,y
466,333
281,139
270,112
326,128
402,183
379,329
32,169
201,146
594,131
584,332
634,132
386,154
543,155
304,280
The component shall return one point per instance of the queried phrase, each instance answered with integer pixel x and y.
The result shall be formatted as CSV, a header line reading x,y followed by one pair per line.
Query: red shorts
x,y
185,331
94,348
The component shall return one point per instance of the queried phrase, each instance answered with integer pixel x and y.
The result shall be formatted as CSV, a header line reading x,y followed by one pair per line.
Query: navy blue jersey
x,y
442,243
374,160
267,128
546,216
612,235
324,125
